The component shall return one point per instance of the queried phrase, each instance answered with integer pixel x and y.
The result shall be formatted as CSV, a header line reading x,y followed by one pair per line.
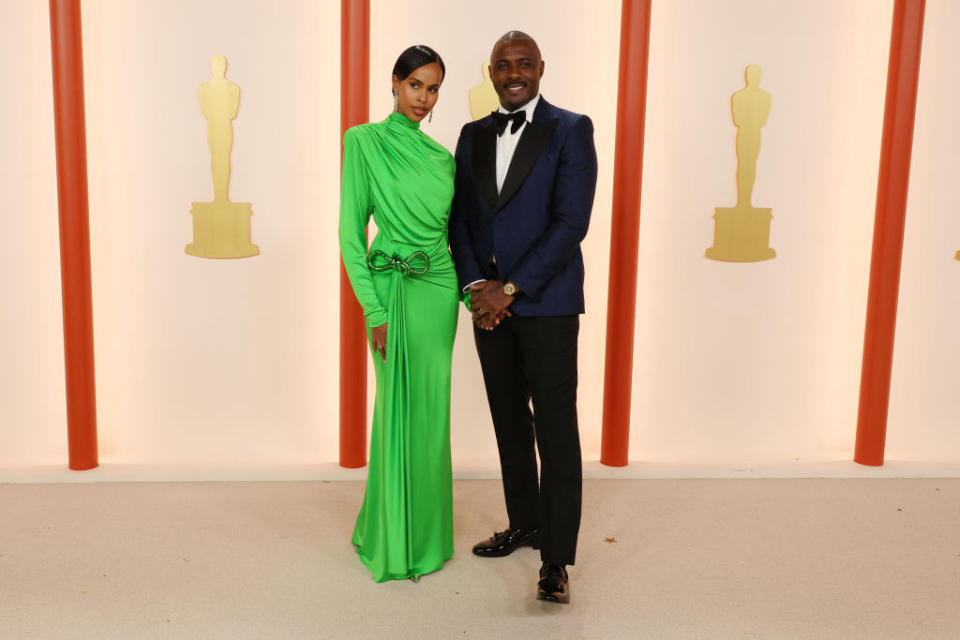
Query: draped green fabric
x,y
404,179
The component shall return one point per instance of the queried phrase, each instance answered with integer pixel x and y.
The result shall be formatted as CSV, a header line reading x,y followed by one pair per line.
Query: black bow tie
x,y
501,120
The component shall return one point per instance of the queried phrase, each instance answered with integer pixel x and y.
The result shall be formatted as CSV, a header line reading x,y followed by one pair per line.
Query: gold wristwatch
x,y
510,289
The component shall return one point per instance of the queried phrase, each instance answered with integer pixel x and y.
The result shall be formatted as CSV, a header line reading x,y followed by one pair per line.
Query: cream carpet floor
x,y
838,558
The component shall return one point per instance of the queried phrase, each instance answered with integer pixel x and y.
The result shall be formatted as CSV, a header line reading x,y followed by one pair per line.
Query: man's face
x,y
516,69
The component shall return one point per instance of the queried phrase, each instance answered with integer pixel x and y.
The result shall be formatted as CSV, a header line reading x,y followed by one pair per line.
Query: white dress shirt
x,y
507,143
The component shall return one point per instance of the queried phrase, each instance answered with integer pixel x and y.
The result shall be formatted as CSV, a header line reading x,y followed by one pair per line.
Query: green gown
x,y
402,177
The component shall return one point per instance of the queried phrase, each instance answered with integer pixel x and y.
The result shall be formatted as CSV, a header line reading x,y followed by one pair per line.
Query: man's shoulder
x,y
566,117
469,127
467,132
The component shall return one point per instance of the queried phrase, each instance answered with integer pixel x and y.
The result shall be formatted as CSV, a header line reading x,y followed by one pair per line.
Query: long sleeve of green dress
x,y
355,211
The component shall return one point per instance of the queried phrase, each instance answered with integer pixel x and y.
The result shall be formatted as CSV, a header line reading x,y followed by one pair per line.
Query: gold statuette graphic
x,y
743,232
483,97
221,229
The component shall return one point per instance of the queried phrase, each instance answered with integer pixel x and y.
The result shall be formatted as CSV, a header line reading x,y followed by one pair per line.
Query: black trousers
x,y
535,359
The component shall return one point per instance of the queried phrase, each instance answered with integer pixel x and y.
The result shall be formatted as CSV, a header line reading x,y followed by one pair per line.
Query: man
x,y
526,176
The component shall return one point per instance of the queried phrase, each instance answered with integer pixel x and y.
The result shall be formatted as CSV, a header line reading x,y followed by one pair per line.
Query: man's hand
x,y
489,304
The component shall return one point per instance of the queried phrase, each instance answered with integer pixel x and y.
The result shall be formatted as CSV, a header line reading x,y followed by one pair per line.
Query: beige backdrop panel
x,y
924,403
214,362
743,364
580,45
32,405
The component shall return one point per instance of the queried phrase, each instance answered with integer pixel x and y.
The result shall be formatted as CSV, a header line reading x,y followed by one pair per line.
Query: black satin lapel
x,y
532,141
485,163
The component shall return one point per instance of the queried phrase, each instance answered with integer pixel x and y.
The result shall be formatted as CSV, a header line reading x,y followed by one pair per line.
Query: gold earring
x,y
430,119
396,102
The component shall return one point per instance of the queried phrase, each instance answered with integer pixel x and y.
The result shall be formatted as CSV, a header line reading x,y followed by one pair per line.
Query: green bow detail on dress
x,y
417,263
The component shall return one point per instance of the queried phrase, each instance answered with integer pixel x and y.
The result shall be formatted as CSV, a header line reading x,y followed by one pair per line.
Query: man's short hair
x,y
513,35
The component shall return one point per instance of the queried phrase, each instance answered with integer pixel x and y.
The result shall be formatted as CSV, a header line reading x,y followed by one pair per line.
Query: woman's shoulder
x,y
361,132
441,150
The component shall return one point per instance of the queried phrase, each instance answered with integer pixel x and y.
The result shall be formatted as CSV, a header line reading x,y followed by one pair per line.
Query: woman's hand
x,y
378,338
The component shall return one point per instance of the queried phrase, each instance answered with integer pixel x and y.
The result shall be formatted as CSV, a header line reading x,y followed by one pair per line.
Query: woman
x,y
407,286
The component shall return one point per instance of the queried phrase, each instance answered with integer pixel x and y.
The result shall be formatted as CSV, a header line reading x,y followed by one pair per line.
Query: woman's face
x,y
418,92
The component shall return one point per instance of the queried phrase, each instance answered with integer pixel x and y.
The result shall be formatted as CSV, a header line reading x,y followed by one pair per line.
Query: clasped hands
x,y
488,304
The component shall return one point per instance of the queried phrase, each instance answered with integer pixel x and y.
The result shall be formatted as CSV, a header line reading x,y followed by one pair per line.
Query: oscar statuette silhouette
x,y
221,229
742,232
483,97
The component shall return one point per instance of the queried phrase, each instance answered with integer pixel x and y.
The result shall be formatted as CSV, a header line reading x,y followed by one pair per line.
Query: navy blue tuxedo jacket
x,y
535,224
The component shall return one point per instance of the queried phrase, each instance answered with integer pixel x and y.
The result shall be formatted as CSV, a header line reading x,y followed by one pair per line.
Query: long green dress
x,y
402,177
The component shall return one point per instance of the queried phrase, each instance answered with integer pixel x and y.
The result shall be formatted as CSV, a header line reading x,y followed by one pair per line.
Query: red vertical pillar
x,y
71,139
354,109
625,231
901,105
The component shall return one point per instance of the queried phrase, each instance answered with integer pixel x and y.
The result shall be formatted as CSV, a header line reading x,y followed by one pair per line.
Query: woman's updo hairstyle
x,y
414,58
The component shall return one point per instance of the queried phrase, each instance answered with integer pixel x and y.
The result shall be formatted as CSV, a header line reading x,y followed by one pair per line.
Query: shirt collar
x,y
528,108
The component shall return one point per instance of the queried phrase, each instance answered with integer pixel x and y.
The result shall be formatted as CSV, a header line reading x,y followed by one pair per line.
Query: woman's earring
x,y
396,102
430,119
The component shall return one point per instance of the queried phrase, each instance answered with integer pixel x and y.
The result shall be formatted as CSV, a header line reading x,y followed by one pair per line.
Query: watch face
x,y
509,289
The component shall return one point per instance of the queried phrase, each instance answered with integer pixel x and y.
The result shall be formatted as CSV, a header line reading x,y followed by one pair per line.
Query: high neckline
x,y
398,119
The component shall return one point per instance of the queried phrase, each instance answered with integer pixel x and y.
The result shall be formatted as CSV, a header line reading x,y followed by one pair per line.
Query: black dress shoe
x,y
503,543
554,585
